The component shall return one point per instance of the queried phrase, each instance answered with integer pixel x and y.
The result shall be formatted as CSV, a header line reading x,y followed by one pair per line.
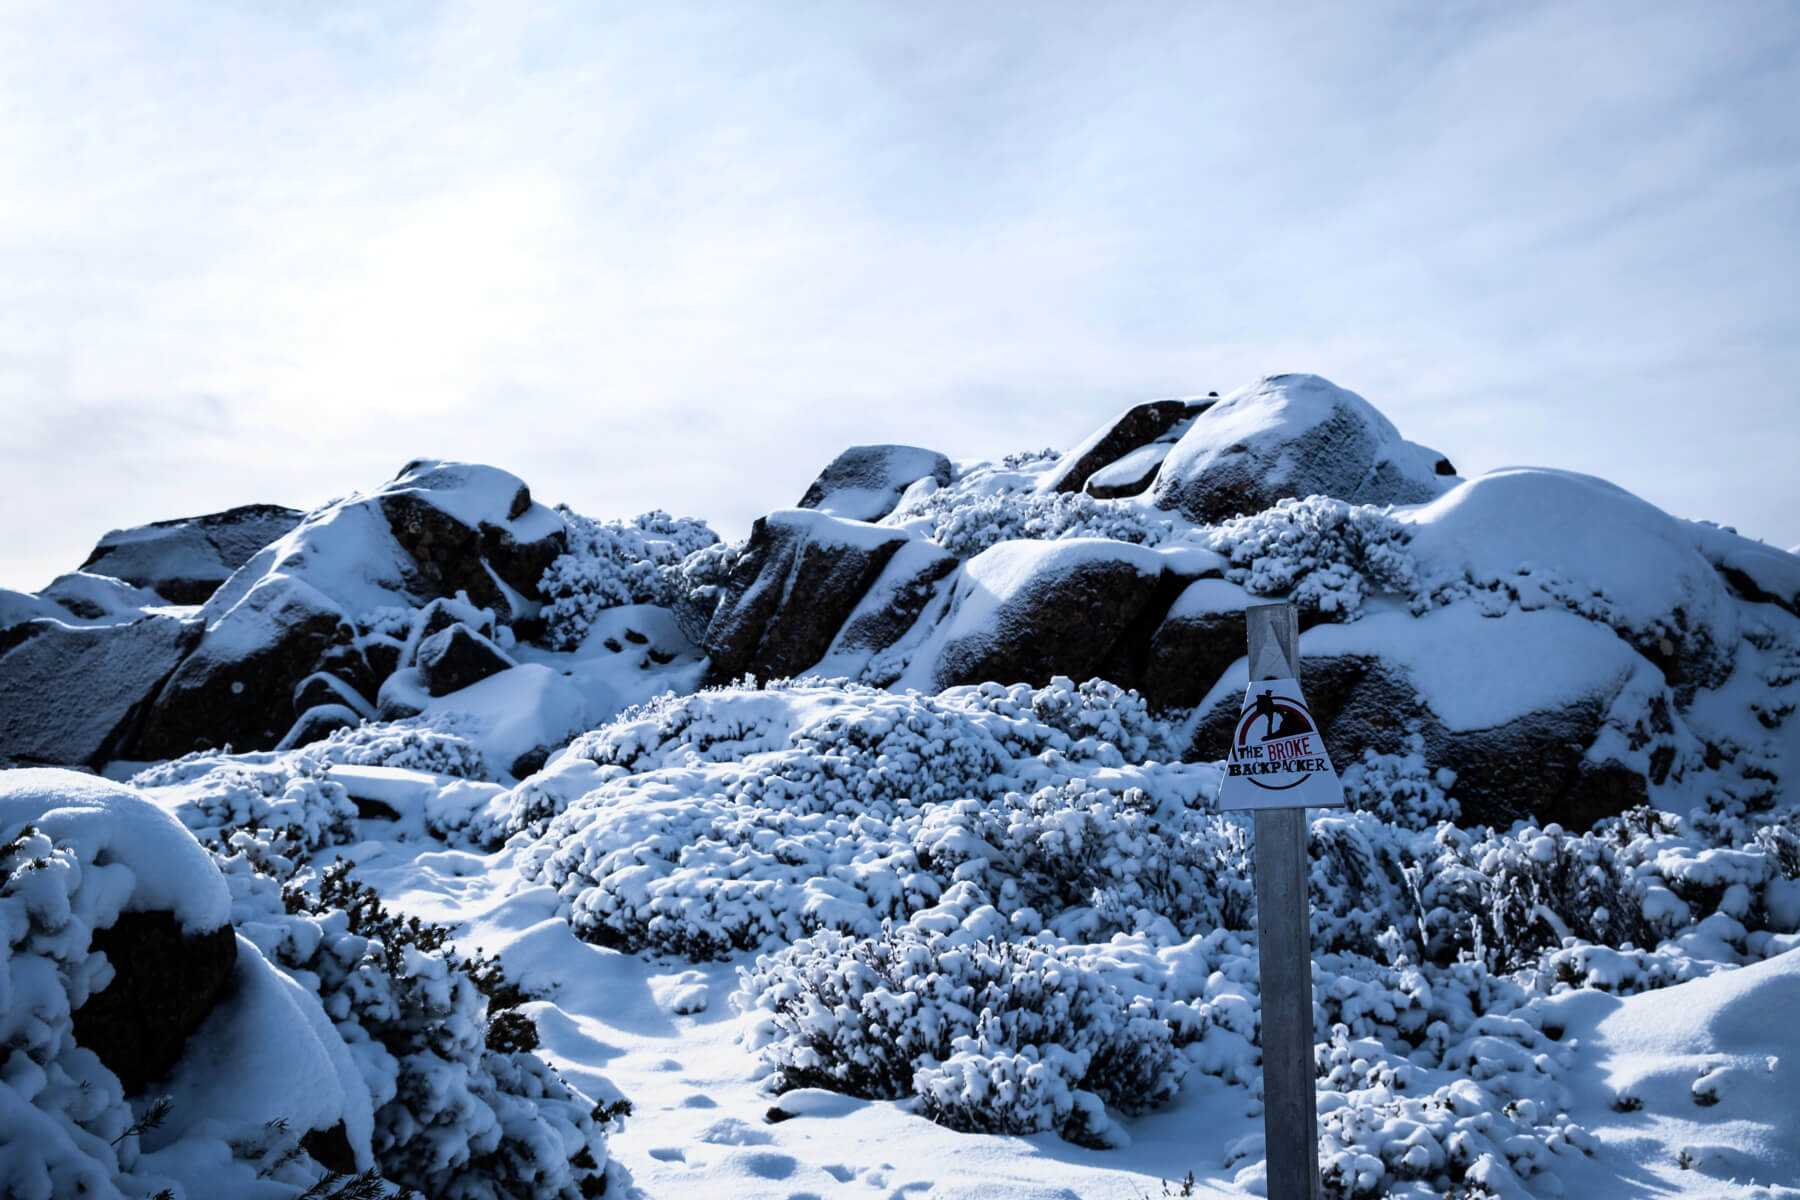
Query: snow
x,y
266,1053
1475,671
1295,435
159,865
1559,537
528,707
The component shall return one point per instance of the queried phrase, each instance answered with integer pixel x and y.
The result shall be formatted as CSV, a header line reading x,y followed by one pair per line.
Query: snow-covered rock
x,y
73,694
312,600
794,585
186,559
865,482
1293,436
1540,538
1122,449
1024,611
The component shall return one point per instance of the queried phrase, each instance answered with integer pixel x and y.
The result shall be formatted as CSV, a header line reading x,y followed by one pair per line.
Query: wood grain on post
x,y
1284,947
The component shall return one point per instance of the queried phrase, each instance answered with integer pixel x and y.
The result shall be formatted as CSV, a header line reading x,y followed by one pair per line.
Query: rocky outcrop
x,y
294,610
864,483
75,694
165,981
1290,436
800,576
185,560
1136,428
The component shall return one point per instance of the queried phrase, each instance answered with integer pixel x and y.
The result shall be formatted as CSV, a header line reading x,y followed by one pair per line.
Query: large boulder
x,y
865,482
889,609
303,604
1024,611
1541,715
158,909
800,576
1292,436
1199,637
1157,423
1538,537
74,694
186,559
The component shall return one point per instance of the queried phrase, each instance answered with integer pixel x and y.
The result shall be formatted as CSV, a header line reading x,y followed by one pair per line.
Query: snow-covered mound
x,y
888,836
1289,436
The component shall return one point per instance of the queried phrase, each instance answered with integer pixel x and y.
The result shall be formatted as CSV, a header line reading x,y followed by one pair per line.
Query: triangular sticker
x,y
1277,757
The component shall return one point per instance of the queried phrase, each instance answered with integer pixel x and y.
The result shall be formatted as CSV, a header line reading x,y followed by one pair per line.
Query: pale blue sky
x,y
666,255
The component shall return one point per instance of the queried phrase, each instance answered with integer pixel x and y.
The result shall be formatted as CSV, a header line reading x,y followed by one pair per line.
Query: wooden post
x,y
1284,946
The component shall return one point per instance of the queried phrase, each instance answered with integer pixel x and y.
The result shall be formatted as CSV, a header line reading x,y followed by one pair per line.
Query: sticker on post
x,y
1278,757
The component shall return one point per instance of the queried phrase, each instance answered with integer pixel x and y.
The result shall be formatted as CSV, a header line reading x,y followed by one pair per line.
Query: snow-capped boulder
x,y
799,578
474,529
1129,434
454,658
1541,715
73,694
137,888
314,599
865,482
1024,611
186,559
889,609
99,598
1541,538
1200,636
1292,436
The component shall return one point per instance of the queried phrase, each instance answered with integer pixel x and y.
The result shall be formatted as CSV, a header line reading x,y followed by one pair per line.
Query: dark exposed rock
x,y
1443,466
1063,611
75,695
799,578
1201,634
452,659
164,983
186,559
239,690
896,598
331,1149
865,482
1534,766
1288,436
1137,426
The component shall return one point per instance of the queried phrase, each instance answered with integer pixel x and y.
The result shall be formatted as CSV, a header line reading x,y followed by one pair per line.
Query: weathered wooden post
x,y
1278,766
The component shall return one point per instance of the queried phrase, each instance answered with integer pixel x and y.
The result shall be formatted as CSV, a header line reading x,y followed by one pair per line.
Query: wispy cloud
x,y
679,255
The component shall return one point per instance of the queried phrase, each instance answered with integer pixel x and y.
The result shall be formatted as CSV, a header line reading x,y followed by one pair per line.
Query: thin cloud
x,y
678,256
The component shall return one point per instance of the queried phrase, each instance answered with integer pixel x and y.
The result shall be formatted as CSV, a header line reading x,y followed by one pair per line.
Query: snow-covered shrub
x,y
1096,860
609,563
292,794
967,524
463,1109
1401,789
1323,555
1498,1120
725,820
64,1114
993,1035
417,744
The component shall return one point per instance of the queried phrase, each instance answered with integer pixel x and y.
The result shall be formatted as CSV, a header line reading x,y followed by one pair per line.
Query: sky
x,y
679,255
